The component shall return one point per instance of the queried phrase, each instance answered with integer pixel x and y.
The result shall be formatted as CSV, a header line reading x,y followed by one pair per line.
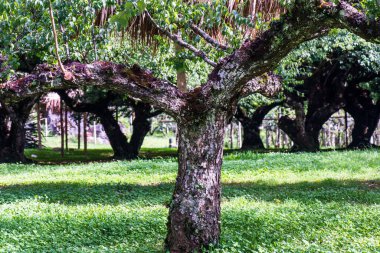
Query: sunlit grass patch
x,y
275,202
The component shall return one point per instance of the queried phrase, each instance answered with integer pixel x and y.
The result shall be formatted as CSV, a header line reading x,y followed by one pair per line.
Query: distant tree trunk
x,y
194,214
302,131
62,129
12,125
85,132
366,115
79,129
116,137
324,92
141,126
251,126
181,72
66,129
118,141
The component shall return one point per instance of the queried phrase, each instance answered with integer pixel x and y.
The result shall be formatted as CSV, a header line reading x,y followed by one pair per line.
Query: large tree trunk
x,y
194,215
116,137
13,121
302,131
324,92
366,115
141,126
251,126
119,142
4,130
304,140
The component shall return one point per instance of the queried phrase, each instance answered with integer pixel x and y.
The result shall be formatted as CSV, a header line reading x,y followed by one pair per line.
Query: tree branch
x,y
119,78
177,39
67,74
268,85
355,21
304,22
208,38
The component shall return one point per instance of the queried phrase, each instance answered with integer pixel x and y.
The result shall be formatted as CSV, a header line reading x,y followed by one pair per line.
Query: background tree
x,y
98,102
338,67
251,112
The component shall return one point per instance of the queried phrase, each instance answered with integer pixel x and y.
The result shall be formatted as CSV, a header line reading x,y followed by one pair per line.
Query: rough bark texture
x,y
251,125
366,115
12,126
194,214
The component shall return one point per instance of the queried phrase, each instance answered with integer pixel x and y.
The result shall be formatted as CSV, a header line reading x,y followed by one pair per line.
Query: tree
x,y
203,113
12,128
98,103
365,111
333,85
251,113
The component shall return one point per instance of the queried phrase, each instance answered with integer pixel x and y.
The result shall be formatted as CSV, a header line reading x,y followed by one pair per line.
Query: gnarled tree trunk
x,y
116,137
194,215
118,141
13,118
302,131
251,126
194,219
366,115
324,92
142,125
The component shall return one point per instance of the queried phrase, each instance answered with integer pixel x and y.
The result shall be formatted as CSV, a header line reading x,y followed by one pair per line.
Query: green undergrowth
x,y
273,202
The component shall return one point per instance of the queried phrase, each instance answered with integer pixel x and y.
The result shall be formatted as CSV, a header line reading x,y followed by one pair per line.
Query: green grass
x,y
274,202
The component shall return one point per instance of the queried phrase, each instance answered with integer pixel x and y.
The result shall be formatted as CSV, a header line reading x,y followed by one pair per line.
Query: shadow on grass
x,y
346,191
57,232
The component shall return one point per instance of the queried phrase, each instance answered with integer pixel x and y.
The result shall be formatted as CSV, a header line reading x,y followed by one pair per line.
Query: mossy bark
x,y
194,215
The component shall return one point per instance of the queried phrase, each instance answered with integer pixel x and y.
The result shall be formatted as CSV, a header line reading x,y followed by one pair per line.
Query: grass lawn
x,y
274,202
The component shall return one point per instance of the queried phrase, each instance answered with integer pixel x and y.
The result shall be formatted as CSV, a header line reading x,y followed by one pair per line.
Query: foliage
x,y
26,31
322,202
339,44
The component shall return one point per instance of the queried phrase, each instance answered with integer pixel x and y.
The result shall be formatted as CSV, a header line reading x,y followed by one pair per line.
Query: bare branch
x,y
177,39
208,38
